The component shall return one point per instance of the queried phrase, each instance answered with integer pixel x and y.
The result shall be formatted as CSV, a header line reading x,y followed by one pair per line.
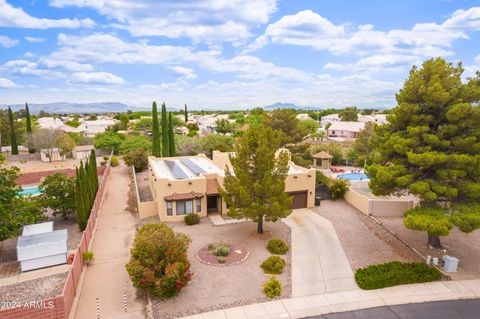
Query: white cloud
x,y
200,20
25,67
464,20
187,73
17,18
50,63
7,42
7,84
377,63
96,78
35,39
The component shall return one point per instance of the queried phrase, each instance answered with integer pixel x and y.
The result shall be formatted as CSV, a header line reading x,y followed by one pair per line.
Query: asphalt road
x,y
455,309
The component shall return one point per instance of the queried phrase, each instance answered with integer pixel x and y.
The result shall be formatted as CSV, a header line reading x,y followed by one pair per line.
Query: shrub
x,y
273,265
88,257
159,262
277,246
338,188
191,219
221,259
395,273
114,161
105,158
272,288
221,250
138,159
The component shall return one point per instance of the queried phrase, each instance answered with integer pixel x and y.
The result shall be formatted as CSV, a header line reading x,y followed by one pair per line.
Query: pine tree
x,y
185,114
165,138
256,188
430,149
156,147
31,149
171,135
13,135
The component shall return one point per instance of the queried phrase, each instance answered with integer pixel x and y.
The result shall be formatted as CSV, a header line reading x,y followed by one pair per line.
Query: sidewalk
x,y
107,278
348,300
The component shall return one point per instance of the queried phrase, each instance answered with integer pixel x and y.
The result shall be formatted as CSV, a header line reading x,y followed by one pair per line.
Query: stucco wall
x,y
302,181
359,201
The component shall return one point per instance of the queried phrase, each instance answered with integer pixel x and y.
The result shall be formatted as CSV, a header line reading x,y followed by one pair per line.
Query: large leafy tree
x,y
156,147
13,135
58,194
285,121
431,148
108,140
256,188
349,114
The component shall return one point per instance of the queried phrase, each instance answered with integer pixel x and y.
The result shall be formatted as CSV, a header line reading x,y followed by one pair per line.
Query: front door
x,y
212,203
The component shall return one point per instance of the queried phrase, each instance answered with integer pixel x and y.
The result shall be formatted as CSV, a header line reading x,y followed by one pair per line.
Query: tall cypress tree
x,y
81,198
156,147
13,136
29,129
171,136
185,113
165,146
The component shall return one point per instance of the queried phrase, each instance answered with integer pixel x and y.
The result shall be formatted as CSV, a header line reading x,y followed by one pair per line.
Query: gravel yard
x,y
214,287
143,186
465,247
364,241
34,290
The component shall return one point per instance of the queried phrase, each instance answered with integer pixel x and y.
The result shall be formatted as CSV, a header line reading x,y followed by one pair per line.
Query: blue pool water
x,y
33,191
353,176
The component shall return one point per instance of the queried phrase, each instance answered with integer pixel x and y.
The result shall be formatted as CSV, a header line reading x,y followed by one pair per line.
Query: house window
x,y
184,207
199,205
169,209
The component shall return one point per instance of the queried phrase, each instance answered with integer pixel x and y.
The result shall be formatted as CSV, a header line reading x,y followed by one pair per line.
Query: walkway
x,y
349,300
319,264
107,278
458,309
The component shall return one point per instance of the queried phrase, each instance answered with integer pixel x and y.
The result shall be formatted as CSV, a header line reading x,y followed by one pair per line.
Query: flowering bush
x,y
159,262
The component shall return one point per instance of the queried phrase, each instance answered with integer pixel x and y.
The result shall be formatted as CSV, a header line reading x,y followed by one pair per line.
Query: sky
x,y
227,53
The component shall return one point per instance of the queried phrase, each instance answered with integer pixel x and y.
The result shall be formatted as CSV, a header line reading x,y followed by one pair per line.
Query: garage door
x,y
299,199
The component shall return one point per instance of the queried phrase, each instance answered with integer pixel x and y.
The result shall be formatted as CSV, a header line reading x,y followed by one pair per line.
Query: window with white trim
x,y
199,205
184,207
169,209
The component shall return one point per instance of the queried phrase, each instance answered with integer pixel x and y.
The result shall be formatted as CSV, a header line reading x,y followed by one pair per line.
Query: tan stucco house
x,y
190,184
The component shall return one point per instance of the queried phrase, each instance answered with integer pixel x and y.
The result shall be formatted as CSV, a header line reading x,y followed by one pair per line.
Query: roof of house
x,y
46,150
347,126
212,187
185,167
83,148
183,196
322,154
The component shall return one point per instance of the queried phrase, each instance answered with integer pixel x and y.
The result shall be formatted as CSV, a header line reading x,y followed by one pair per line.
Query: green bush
x,y
221,259
273,265
272,288
191,219
277,246
114,161
138,159
159,262
88,257
221,250
338,188
395,273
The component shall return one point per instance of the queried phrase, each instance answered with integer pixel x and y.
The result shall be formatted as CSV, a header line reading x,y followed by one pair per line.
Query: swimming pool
x,y
32,191
353,176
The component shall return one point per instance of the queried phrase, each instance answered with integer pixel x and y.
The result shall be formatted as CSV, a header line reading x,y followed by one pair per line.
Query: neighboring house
x,y
8,149
51,123
303,116
329,119
345,130
82,151
190,184
91,128
52,155
377,118
70,129
181,130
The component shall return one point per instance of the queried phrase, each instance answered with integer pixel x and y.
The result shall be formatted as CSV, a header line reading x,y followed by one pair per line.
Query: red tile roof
x,y
183,196
212,187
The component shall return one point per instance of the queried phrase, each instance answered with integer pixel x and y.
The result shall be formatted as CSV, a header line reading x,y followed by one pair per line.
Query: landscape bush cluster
x,y
395,273
191,219
273,265
272,288
159,262
277,246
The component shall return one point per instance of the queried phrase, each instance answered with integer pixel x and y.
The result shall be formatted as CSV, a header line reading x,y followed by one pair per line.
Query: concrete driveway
x,y
319,263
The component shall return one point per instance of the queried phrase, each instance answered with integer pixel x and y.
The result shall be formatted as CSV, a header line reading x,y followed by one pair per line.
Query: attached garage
x,y
299,199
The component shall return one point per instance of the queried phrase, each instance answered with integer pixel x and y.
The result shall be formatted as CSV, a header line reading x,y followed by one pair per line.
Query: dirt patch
x,y
364,241
132,198
144,191
237,255
34,290
465,247
215,288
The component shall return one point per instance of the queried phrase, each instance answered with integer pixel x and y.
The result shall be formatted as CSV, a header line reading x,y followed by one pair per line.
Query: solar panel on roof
x,y
176,170
192,166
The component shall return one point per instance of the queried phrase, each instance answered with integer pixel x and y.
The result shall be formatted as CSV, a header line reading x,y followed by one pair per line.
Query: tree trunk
x,y
260,227
434,241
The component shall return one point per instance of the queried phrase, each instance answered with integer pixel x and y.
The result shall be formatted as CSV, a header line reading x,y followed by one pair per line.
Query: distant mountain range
x,y
65,107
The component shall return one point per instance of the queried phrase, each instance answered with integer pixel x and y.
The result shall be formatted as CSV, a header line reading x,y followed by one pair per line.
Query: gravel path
x,y
214,287
364,241
34,290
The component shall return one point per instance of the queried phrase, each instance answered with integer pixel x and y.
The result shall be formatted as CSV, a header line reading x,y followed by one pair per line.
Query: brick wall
x,y
60,306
